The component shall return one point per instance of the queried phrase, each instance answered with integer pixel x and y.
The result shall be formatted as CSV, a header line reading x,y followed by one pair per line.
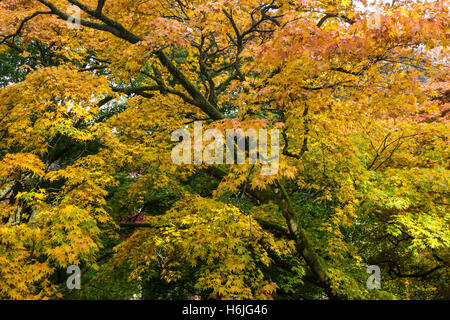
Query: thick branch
x,y
333,15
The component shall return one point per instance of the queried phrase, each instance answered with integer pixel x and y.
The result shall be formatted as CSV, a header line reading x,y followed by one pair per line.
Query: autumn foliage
x,y
86,176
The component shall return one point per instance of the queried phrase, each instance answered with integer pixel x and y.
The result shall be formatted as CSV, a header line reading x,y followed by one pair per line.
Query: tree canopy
x,y
90,92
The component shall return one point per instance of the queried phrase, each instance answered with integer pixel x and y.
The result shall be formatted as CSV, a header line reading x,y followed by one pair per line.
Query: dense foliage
x,y
86,175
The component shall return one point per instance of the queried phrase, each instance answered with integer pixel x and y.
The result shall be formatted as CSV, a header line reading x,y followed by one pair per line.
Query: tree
x,y
87,177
